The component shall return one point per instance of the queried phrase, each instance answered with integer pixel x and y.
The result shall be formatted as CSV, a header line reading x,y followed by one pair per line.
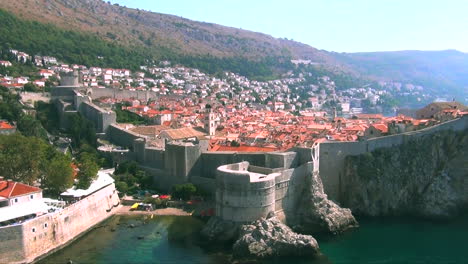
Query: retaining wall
x,y
37,237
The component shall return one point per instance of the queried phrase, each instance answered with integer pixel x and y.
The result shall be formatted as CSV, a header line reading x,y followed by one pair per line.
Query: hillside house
x,y
6,128
432,110
19,202
5,64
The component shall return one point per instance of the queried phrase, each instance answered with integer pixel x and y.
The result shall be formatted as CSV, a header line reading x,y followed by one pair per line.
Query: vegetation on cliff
x,y
125,116
129,178
12,111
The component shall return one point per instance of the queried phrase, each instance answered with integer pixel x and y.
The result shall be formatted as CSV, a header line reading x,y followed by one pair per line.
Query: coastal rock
x,y
220,230
425,177
319,214
271,238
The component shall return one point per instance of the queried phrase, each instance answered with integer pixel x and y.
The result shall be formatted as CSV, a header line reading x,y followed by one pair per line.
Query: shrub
x,y
183,191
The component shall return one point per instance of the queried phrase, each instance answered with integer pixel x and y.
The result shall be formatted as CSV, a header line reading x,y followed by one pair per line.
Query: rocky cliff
x,y
269,237
427,177
319,214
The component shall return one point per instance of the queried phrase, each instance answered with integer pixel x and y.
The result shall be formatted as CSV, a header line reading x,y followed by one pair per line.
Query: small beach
x,y
170,211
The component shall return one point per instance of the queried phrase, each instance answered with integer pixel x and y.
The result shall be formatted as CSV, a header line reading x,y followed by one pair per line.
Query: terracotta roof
x,y
243,148
369,116
182,133
5,125
10,189
383,128
148,130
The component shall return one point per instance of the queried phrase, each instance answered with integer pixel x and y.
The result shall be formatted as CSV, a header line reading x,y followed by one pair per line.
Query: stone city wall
x,y
11,244
290,186
122,137
333,154
242,195
122,94
101,118
39,236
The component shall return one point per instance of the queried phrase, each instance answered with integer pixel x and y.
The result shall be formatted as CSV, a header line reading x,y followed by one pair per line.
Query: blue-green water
x,y
174,239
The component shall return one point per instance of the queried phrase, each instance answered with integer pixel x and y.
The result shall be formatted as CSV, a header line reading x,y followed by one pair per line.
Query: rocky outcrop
x,y
269,237
319,214
427,176
218,230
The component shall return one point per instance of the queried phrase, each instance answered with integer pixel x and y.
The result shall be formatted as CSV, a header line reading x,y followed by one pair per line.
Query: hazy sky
x,y
334,25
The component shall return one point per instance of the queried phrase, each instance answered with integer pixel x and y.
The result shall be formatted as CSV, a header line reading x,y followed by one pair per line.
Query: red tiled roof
x,y
5,125
11,189
243,148
369,116
383,128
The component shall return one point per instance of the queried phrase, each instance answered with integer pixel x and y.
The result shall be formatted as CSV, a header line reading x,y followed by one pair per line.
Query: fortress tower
x,y
69,83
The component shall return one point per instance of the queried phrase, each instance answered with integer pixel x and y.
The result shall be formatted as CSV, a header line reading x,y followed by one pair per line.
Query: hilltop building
x,y
436,109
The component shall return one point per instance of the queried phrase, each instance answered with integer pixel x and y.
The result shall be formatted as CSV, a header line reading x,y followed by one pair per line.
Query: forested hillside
x,y
95,32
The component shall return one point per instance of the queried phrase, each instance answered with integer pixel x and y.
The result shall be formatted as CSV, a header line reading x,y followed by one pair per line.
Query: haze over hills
x,y
168,36
444,71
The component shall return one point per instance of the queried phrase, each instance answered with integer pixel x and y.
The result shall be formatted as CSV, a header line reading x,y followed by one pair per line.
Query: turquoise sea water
x,y
170,239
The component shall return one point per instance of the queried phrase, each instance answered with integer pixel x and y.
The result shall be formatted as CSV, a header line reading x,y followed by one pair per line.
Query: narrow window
x,y
45,225
16,200
34,230
31,196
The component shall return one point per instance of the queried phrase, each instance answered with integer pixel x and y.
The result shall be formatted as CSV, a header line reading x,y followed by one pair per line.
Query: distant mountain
x,y
136,34
442,71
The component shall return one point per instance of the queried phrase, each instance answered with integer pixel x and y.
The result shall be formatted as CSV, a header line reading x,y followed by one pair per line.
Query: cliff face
x,y
319,214
427,177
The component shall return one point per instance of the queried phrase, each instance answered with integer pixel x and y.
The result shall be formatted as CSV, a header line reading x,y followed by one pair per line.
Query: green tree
x,y
88,171
59,174
81,131
183,191
122,187
21,158
29,87
31,127
48,116
31,160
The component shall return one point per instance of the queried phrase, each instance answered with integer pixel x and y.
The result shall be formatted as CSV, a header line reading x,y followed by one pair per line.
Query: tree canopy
x,y
31,160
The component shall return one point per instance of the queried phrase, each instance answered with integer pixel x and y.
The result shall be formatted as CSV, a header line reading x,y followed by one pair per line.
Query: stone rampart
x,y
101,118
290,186
243,196
39,236
122,94
333,154
245,193
11,244
122,137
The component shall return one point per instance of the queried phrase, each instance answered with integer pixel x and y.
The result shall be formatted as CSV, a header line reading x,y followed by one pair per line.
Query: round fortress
x,y
243,196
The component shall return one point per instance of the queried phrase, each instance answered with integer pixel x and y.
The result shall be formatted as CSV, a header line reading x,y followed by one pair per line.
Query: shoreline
x,y
69,242
170,211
